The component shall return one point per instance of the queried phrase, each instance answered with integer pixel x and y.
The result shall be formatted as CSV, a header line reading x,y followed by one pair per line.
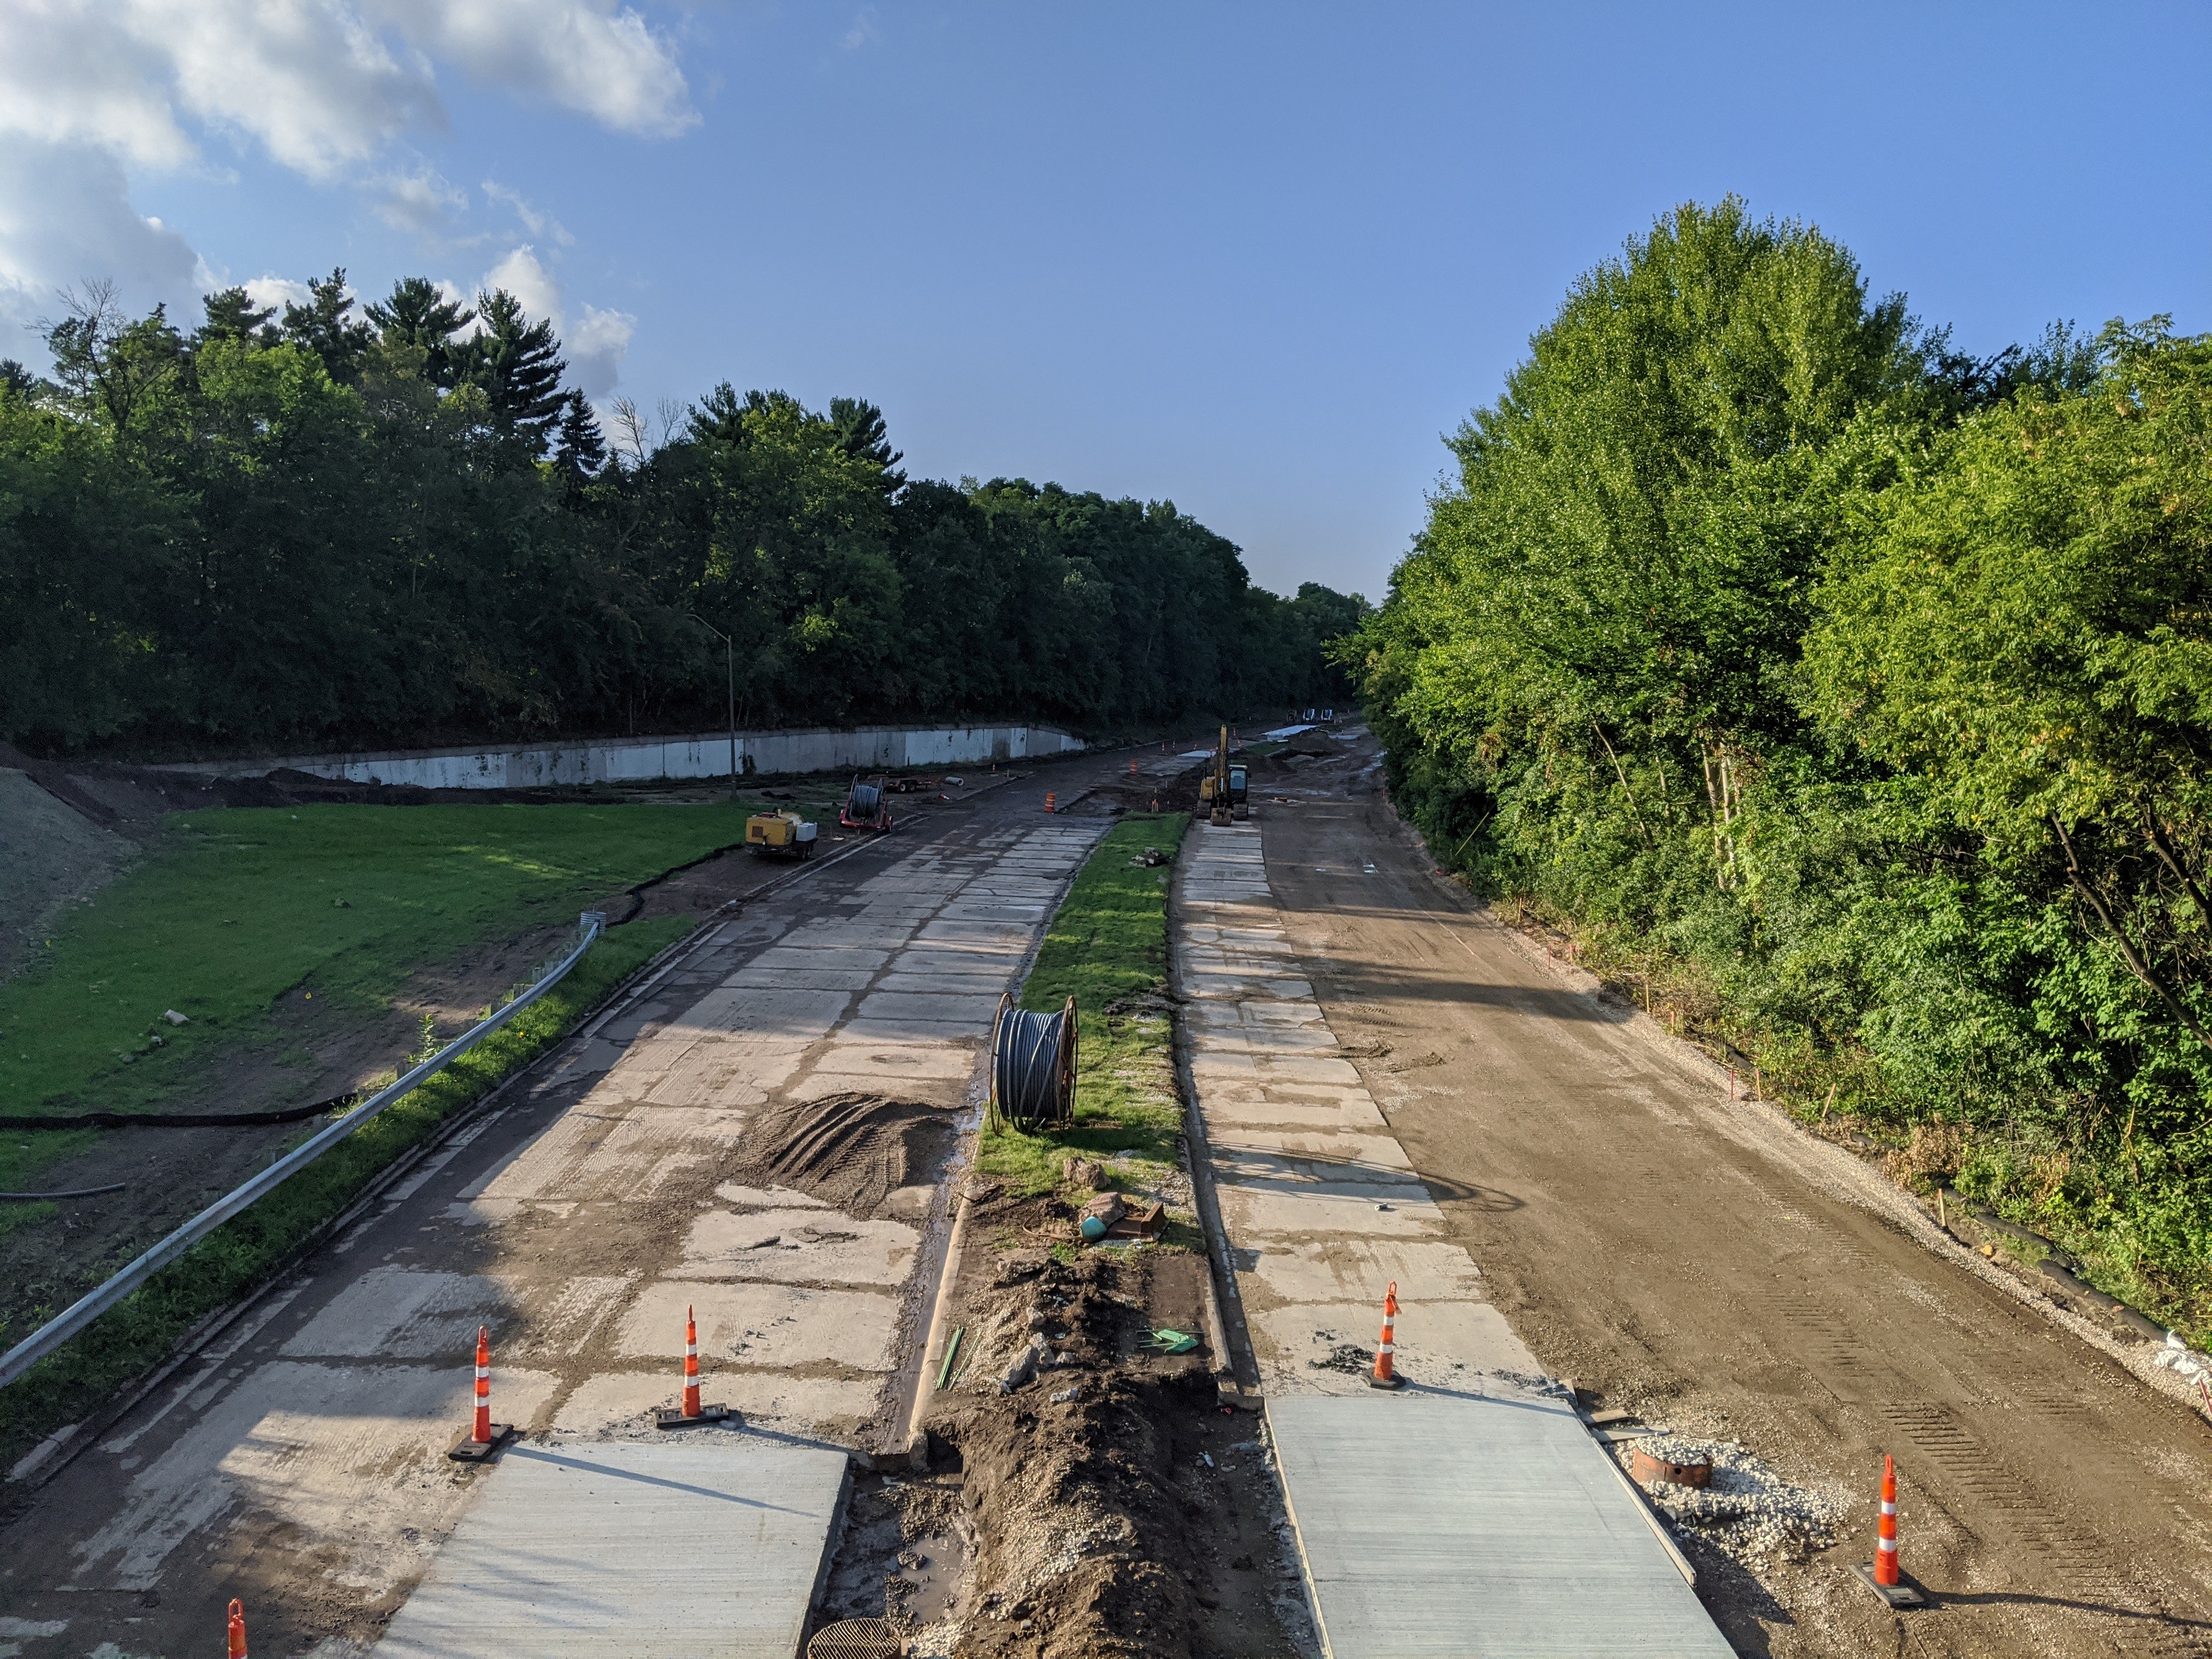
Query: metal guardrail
x,y
80,1314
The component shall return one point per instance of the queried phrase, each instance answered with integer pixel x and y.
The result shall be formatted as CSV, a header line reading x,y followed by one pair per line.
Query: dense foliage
x,y
394,524
1855,697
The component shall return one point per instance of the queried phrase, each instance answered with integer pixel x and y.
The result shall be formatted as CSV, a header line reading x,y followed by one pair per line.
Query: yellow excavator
x,y
1221,793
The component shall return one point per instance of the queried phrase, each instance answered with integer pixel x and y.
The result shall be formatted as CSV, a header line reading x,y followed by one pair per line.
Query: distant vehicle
x,y
784,834
1326,714
867,803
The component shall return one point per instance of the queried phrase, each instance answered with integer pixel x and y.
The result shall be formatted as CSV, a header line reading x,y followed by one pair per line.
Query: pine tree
x,y
16,379
720,417
862,434
418,313
518,365
581,450
325,326
232,316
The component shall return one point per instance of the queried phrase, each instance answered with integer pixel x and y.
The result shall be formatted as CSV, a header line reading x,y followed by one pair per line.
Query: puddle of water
x,y
940,1563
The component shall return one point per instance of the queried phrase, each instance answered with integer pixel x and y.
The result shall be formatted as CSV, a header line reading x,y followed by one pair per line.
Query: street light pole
x,y
730,666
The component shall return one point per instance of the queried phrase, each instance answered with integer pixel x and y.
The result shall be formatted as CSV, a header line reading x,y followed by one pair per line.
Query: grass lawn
x,y
138,1333
238,909
1108,948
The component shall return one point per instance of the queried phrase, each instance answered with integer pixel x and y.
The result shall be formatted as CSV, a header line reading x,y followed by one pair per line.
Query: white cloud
x,y
65,215
275,292
537,221
524,276
582,55
596,346
594,343
864,31
92,90
420,202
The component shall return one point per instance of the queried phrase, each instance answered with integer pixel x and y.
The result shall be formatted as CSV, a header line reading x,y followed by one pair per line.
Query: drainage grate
x,y
856,1638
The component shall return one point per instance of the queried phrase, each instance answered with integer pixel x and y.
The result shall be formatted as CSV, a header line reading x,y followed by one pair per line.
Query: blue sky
x,y
1255,259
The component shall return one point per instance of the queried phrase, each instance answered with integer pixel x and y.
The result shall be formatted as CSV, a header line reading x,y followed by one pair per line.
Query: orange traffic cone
x,y
1133,768
1882,1576
1885,1528
482,1434
237,1628
484,1437
1386,1375
690,1364
1052,803
691,1413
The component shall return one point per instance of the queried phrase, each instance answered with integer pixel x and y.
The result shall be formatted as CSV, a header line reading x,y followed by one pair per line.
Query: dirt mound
x,y
849,1150
51,857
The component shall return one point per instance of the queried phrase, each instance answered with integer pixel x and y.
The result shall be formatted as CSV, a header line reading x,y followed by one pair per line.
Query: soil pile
x,y
849,1150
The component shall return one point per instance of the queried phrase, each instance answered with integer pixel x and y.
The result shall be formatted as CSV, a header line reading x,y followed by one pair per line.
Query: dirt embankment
x,y
51,856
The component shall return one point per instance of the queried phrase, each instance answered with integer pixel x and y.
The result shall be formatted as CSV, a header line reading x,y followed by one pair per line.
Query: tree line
x,y
350,526
1853,693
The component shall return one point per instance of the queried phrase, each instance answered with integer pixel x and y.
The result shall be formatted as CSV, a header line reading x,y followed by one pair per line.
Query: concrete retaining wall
x,y
646,760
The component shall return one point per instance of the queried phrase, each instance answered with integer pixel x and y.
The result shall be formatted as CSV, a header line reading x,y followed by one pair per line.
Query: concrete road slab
x,y
797,1247
1230,1112
1326,1157
1294,1211
756,1324
613,1151
623,1402
1235,1067
652,1550
972,1009
1358,1270
353,1455
1450,1346
1524,1547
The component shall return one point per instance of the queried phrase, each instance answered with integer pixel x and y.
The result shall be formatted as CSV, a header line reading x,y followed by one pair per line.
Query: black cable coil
x,y
1033,1065
866,800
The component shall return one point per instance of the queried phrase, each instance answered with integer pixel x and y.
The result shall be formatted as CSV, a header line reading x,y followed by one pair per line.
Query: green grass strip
x,y
138,1333
1108,948
238,913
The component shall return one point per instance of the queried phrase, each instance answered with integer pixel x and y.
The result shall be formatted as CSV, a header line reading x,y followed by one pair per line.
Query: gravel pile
x,y
1747,1511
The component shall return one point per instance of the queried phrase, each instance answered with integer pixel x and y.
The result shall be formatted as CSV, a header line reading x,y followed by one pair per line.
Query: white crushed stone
x,y
1746,1510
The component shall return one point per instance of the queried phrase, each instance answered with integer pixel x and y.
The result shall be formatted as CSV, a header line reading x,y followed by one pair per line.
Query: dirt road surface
x,y
1691,1262
298,1464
